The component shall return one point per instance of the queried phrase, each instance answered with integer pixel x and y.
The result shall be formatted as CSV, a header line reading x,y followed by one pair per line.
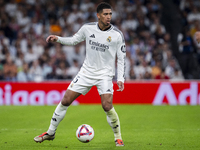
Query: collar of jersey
x,y
111,26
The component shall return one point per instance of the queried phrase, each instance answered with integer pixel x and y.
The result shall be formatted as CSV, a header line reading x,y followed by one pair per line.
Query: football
x,y
85,133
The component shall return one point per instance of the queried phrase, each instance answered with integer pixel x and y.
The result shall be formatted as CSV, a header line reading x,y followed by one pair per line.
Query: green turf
x,y
144,127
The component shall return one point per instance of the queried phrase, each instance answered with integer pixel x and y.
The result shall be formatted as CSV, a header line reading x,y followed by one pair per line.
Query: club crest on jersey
x,y
109,39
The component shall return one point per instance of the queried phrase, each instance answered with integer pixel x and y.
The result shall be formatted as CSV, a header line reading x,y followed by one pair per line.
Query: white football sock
x,y
58,116
113,121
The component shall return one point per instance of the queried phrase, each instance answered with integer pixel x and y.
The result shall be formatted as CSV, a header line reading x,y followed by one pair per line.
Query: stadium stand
x,y
154,50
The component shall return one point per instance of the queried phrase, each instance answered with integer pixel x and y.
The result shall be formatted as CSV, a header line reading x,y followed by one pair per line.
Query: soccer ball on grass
x,y
85,133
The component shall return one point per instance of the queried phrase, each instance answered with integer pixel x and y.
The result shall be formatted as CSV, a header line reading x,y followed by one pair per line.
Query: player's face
x,y
105,17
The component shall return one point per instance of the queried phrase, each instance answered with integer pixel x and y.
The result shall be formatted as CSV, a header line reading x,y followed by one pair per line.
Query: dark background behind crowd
x,y
159,38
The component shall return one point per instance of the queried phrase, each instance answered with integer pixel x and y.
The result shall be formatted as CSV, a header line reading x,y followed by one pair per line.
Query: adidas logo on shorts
x,y
108,90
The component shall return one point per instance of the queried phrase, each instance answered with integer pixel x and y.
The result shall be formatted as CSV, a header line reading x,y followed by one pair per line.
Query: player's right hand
x,y
51,38
120,85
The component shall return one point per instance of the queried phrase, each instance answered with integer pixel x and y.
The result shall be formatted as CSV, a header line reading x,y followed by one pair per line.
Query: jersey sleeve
x,y
121,54
75,39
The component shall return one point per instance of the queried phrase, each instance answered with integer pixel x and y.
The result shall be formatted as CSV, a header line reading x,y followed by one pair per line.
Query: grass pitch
x,y
144,127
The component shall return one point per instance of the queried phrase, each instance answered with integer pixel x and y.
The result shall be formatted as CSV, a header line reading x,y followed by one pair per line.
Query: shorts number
x,y
76,79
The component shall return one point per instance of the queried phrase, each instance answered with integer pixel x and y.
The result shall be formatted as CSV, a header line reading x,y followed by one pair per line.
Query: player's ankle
x,y
51,132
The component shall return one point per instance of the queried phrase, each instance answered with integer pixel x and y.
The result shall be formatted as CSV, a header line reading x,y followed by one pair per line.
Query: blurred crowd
x,y
188,46
25,24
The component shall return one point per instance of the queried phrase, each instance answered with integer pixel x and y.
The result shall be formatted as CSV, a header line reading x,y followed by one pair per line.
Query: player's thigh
x,y
105,86
105,89
81,84
69,97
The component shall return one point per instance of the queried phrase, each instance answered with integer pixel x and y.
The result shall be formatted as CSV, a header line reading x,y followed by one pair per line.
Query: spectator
x,y
36,72
30,56
132,74
157,69
24,21
195,28
4,41
9,70
23,75
55,27
194,15
142,70
154,6
142,28
47,68
37,26
19,60
7,31
130,23
61,70
22,42
38,47
155,25
186,45
85,5
162,75
24,28
60,57
1,72
11,8
74,69
170,69
177,75
74,15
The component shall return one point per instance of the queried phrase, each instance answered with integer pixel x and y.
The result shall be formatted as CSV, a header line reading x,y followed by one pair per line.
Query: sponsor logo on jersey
x,y
123,48
92,36
109,39
98,46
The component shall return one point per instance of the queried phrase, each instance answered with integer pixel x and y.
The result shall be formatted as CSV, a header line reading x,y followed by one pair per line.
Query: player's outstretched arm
x,y
51,38
120,85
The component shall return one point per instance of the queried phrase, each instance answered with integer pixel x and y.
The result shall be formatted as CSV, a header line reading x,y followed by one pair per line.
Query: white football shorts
x,y
83,84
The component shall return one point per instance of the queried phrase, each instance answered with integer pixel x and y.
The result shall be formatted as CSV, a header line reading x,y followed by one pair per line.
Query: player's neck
x,y
103,28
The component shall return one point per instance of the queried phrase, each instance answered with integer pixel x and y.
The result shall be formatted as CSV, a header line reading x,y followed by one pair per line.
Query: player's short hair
x,y
103,5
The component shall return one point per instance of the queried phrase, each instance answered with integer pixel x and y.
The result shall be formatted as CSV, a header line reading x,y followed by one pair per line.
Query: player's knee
x,y
107,106
66,100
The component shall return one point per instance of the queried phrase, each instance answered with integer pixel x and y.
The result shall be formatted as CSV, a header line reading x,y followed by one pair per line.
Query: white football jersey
x,y
102,47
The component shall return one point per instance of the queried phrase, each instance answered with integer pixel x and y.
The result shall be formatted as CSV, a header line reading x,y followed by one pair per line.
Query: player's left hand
x,y
197,36
120,85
